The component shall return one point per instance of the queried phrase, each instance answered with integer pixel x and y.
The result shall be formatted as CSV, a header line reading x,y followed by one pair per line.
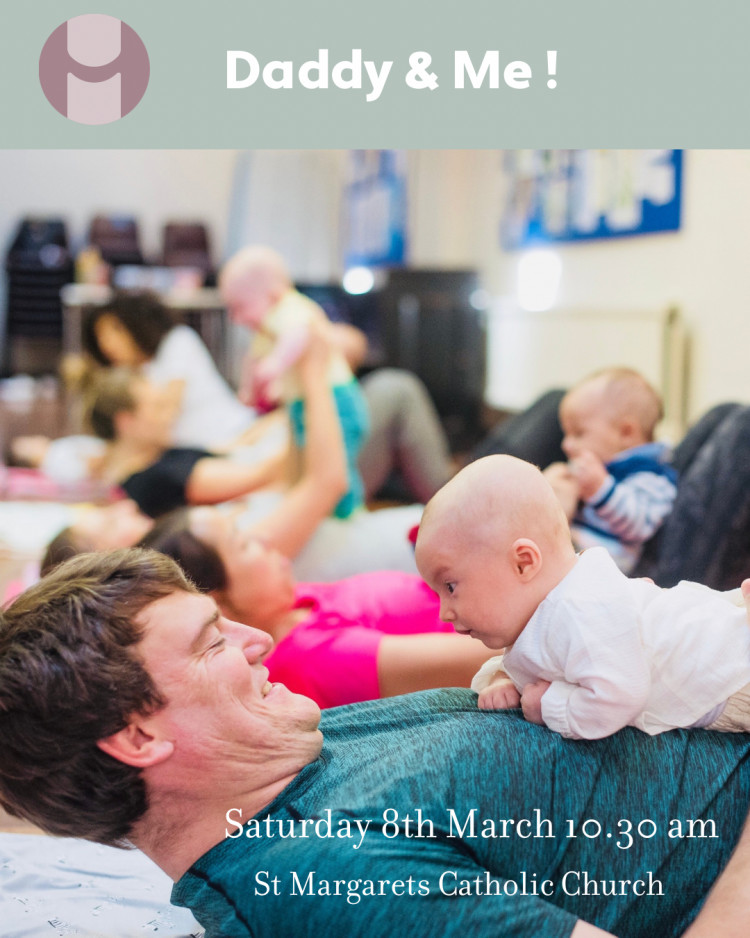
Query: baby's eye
x,y
450,587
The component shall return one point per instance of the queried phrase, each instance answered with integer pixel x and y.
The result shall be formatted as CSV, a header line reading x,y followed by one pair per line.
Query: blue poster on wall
x,y
375,203
580,195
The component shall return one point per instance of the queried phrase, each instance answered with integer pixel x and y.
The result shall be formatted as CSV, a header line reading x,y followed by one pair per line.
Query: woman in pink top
x,y
368,636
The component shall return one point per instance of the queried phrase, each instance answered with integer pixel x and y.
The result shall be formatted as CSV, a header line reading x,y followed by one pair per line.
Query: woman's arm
x,y
216,479
409,663
260,427
324,475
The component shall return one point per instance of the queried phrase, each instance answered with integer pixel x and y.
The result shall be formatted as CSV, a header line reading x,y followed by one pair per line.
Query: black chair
x,y
534,435
186,244
117,239
38,264
706,538
686,451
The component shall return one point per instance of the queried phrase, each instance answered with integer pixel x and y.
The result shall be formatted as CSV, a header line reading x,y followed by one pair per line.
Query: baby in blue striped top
x,y
617,487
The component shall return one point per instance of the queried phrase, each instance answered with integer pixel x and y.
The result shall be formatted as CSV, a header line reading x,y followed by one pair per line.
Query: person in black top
x,y
135,417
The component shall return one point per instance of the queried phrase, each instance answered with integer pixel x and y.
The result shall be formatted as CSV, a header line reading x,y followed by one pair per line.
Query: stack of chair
x,y
38,264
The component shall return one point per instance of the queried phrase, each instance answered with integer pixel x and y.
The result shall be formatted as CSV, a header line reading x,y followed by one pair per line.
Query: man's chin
x,y
308,710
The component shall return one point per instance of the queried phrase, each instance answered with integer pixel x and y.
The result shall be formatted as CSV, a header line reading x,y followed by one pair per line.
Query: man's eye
x,y
218,644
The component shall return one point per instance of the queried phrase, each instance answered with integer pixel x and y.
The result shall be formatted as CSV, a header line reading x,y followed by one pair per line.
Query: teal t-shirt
x,y
512,830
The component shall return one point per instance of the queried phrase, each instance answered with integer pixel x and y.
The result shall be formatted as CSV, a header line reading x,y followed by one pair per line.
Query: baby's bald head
x,y
492,543
499,498
251,281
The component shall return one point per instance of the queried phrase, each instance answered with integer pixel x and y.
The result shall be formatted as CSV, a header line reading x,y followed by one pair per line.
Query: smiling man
x,y
131,711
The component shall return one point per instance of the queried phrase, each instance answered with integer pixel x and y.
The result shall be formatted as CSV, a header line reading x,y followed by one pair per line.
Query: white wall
x,y
292,199
153,185
704,268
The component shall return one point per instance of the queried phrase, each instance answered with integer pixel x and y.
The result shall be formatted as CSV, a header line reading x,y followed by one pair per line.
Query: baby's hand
x,y
745,587
531,701
565,485
590,472
500,695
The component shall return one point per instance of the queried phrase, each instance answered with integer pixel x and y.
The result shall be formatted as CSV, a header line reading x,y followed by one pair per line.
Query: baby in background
x,y
617,487
586,650
258,292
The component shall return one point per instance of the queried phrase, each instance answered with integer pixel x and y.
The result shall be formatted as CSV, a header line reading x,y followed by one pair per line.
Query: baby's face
x,y
588,426
247,303
478,590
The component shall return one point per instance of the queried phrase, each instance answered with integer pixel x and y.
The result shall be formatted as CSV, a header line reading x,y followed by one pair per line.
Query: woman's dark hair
x,y
171,535
144,316
71,675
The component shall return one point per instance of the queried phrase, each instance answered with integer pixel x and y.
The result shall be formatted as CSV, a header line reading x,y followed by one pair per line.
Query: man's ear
x,y
526,558
136,746
122,421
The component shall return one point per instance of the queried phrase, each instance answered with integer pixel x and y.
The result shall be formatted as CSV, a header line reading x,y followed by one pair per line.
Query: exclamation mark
x,y
552,69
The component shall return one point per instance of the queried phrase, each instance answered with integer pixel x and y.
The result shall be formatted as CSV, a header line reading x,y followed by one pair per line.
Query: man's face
x,y
479,593
152,416
220,704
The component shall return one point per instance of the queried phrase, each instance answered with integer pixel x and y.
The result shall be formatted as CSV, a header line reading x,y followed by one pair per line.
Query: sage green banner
x,y
476,73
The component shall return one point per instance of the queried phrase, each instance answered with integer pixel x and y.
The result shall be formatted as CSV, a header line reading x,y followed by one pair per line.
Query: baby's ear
x,y
526,558
631,430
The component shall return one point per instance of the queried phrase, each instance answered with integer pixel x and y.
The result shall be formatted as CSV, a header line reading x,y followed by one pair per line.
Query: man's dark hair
x,y
68,543
144,316
70,675
171,535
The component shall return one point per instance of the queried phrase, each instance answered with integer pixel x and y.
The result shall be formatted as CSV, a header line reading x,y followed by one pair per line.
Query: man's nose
x,y
256,644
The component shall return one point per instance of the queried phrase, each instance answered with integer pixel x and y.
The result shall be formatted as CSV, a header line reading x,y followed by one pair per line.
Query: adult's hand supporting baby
x,y
531,701
590,472
265,385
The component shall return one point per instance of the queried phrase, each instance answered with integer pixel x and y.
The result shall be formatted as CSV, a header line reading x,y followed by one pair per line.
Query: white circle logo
x,y
94,69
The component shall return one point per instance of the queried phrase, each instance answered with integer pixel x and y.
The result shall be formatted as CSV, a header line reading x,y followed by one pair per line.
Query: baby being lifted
x,y
258,291
586,650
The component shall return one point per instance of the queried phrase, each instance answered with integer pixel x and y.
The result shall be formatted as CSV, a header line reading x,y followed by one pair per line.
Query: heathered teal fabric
x,y
434,751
